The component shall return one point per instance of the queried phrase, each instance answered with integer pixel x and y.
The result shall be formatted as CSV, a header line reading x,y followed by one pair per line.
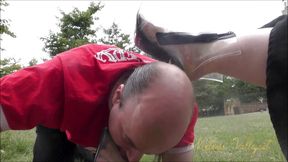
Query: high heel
x,y
152,48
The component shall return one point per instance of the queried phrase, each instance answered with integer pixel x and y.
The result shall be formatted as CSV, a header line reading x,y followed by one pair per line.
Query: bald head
x,y
158,106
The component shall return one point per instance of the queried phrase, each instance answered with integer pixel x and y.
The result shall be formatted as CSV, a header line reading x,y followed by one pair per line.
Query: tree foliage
x,y
115,36
32,62
9,65
246,92
212,95
4,23
75,30
209,96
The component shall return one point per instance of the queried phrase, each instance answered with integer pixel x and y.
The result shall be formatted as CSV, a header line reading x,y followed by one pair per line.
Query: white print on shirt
x,y
115,55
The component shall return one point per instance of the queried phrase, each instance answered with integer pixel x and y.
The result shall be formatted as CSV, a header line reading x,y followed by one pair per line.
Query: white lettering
x,y
115,55
131,56
121,53
99,56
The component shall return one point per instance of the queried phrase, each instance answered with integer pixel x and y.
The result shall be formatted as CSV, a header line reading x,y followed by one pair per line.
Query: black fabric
x,y
185,38
51,145
277,81
274,22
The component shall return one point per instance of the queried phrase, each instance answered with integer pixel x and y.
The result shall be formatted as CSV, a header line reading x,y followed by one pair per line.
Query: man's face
x,y
127,148
144,124
117,119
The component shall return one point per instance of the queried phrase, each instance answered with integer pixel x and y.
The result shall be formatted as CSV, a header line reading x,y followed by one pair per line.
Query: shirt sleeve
x,y
32,96
187,141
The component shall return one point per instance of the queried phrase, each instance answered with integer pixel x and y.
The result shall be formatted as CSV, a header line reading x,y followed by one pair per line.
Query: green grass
x,y
246,137
17,146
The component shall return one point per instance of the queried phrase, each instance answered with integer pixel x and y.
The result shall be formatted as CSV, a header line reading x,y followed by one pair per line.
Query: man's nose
x,y
133,155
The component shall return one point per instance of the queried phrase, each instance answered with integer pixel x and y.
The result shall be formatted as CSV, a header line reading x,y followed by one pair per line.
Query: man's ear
x,y
116,98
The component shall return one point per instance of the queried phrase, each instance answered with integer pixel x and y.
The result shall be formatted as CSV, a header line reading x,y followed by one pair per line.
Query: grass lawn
x,y
246,137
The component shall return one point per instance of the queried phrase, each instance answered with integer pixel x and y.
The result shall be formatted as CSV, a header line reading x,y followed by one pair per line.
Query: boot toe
x,y
152,48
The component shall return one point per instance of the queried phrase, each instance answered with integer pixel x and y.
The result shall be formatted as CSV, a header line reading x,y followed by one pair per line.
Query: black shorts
x,y
52,145
277,81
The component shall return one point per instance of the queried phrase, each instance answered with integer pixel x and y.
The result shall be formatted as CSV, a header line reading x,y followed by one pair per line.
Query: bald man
x,y
158,117
258,57
148,106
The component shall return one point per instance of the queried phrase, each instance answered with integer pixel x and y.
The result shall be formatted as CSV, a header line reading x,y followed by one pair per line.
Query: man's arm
x,y
32,96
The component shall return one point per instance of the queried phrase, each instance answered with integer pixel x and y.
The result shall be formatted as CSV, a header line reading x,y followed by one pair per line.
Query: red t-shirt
x,y
70,92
